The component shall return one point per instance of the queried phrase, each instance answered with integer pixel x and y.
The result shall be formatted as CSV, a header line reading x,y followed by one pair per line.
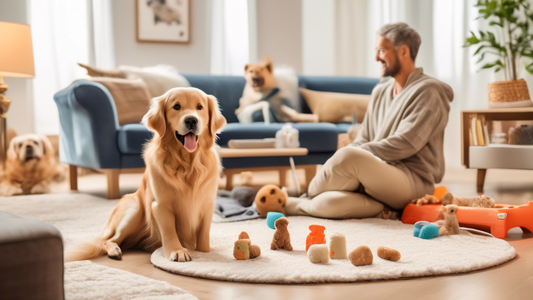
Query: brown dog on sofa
x,y
260,82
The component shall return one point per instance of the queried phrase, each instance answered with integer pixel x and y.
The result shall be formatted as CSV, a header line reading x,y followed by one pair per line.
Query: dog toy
x,y
337,246
272,217
270,198
245,195
432,199
425,230
478,201
361,256
243,245
287,137
451,225
316,236
282,238
389,254
318,254
246,178
241,249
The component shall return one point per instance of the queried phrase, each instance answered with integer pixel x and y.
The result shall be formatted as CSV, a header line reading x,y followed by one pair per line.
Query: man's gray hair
x,y
401,34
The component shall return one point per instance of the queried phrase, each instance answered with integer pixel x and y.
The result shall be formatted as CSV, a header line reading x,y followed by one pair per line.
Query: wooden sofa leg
x,y
113,191
73,177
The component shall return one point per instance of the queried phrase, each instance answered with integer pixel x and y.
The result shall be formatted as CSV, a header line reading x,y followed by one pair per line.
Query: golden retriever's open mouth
x,y
189,141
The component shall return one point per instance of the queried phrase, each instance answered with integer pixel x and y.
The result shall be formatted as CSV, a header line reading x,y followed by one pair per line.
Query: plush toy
x,y
245,195
243,248
318,254
478,201
246,178
425,230
270,198
282,238
316,236
389,254
451,225
337,246
361,256
261,89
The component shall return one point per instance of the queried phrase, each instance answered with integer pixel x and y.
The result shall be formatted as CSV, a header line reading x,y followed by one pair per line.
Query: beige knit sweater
x,y
407,131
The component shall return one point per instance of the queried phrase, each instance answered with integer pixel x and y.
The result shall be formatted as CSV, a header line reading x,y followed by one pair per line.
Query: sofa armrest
x,y
89,126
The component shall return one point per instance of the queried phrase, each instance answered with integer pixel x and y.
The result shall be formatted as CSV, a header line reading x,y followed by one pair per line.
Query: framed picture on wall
x,y
163,21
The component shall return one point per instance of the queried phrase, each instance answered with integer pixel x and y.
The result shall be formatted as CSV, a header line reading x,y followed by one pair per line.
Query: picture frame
x,y
162,21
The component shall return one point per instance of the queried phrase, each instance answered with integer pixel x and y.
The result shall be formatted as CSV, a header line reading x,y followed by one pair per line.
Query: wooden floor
x,y
512,280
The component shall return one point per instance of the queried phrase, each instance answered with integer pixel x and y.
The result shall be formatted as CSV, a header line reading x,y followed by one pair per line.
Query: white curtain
x,y
66,32
443,26
233,36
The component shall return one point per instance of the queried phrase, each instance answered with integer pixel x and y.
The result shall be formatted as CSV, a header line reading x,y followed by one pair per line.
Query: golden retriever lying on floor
x,y
174,204
31,165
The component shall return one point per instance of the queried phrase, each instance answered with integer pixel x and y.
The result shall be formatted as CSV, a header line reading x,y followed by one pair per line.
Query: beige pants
x,y
332,192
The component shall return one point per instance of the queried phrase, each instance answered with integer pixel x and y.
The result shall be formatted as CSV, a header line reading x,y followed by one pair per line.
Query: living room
x,y
282,92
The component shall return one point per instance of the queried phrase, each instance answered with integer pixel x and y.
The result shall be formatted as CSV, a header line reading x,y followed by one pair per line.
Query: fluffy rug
x,y
442,255
85,280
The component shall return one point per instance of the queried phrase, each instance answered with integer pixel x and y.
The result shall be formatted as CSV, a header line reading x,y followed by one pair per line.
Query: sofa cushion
x,y
132,137
316,137
336,107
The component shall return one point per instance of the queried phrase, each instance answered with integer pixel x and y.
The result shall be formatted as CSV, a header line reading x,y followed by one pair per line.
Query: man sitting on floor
x,y
398,156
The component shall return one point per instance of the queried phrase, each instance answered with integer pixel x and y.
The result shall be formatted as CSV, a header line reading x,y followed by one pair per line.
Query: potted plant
x,y
509,43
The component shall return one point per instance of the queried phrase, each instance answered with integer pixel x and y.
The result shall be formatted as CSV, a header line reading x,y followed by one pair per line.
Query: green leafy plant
x,y
510,39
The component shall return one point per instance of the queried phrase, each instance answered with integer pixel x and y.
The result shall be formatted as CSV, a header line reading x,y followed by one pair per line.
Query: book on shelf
x,y
479,133
473,132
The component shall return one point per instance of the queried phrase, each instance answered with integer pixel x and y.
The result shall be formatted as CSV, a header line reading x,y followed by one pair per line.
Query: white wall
x,y
318,42
20,114
279,32
193,57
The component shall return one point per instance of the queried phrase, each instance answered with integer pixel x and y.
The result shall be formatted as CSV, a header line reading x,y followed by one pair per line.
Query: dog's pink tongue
x,y
190,142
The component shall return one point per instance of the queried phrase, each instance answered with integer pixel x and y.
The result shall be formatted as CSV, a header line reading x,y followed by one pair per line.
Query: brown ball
x,y
244,235
389,253
270,198
255,251
361,256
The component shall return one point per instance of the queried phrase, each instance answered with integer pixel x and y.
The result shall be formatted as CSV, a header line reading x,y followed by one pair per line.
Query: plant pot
x,y
509,93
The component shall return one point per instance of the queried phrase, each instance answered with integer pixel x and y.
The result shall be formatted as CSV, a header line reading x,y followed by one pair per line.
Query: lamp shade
x,y
16,53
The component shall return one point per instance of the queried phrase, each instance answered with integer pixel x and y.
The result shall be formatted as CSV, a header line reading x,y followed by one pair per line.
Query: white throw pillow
x,y
287,82
159,79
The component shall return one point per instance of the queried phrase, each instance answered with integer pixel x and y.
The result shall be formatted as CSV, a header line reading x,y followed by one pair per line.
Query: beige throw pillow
x,y
158,79
130,95
336,107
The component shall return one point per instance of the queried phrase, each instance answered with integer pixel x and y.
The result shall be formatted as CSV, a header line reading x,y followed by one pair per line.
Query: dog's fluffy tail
x,y
85,250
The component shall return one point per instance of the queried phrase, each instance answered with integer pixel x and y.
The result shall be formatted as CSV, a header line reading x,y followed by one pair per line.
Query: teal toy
x,y
418,226
429,231
272,216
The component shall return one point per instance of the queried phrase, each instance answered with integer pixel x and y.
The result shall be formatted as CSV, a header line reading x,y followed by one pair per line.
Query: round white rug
x,y
441,255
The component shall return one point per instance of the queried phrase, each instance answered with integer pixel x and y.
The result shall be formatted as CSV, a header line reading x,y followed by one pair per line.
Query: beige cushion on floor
x,y
336,107
131,97
159,79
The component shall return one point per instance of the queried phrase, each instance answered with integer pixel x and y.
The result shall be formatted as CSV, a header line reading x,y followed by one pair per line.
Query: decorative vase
x,y
509,93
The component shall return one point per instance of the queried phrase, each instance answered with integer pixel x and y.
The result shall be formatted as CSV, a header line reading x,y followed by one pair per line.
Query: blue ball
x,y
272,217
429,231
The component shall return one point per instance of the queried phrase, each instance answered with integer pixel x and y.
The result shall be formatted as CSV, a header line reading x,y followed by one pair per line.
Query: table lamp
x,y
16,60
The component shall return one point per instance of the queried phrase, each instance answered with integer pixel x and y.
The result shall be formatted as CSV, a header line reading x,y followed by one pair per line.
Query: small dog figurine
x,y
31,165
451,225
478,201
282,238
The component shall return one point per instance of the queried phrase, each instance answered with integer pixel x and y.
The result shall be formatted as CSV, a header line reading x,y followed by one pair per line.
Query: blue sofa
x,y
92,138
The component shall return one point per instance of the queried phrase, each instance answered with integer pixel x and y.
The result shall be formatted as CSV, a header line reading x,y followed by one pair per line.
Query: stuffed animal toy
x,y
261,88
337,246
478,201
245,195
451,225
361,256
253,250
389,254
270,198
282,238
522,135
318,254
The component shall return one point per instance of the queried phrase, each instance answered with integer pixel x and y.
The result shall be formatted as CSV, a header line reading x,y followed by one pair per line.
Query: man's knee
x,y
352,154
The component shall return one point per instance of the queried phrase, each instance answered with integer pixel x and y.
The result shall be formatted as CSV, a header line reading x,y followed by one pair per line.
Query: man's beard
x,y
394,70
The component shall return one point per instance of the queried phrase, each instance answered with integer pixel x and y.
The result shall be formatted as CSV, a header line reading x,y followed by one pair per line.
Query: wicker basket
x,y
509,93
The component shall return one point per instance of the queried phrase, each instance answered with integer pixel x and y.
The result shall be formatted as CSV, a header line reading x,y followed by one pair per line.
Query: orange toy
x,y
496,220
439,192
316,236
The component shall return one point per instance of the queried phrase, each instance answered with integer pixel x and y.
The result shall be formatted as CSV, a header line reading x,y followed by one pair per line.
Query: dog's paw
x,y
9,190
115,253
181,255
39,189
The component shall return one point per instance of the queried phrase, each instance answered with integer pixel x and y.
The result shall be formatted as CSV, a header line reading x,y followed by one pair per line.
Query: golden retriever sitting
x,y
31,165
174,204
